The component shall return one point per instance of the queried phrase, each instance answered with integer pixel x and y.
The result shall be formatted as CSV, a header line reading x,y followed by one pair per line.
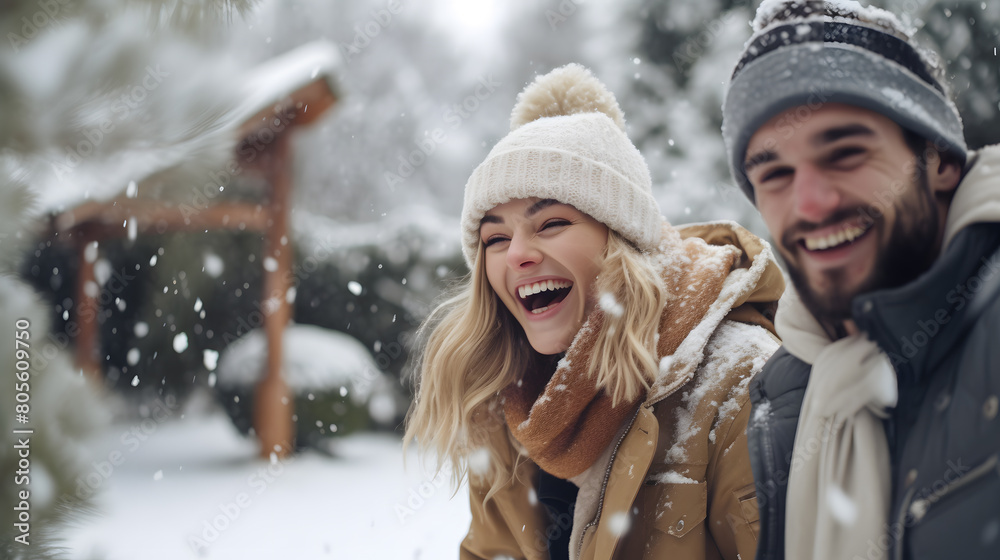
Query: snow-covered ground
x,y
194,489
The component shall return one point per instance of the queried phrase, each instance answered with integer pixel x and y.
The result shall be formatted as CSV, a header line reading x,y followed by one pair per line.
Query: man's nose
x,y
816,196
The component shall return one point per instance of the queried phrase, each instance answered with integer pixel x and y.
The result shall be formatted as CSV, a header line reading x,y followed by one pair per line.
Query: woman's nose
x,y
522,252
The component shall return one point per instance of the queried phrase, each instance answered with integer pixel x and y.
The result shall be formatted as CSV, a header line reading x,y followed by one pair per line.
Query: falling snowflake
x,y
354,287
210,358
843,509
618,523
610,305
213,265
479,461
180,342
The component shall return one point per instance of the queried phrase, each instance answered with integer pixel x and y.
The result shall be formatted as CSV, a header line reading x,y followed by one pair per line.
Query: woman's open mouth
x,y
538,297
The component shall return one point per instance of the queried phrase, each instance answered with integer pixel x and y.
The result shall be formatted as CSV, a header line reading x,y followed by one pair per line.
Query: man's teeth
x,y
543,286
834,239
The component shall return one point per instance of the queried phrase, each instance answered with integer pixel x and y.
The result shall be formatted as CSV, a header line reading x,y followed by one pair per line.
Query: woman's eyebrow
x,y
532,210
538,206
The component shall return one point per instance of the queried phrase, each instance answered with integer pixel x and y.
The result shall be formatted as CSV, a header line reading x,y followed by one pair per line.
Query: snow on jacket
x,y
940,333
677,483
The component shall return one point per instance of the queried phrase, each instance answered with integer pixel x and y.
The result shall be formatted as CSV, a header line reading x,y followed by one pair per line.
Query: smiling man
x,y
875,431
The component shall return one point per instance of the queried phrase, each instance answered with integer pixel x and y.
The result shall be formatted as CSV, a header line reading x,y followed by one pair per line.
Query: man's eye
x,y
775,174
843,154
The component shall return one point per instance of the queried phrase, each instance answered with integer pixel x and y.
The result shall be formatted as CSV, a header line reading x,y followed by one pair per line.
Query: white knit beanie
x,y
568,143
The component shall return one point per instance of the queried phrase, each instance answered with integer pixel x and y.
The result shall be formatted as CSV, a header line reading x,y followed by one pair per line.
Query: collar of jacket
x,y
756,279
917,325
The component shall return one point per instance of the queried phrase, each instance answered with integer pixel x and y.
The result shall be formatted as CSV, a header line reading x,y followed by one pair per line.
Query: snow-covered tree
x,y
93,95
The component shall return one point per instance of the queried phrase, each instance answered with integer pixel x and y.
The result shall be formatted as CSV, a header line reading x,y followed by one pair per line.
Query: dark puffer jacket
x,y
942,335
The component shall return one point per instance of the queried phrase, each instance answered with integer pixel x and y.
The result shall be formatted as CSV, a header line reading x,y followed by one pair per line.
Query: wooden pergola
x,y
279,97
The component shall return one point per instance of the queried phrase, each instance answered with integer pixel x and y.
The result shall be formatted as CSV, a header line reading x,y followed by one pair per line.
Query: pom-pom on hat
x,y
806,53
567,142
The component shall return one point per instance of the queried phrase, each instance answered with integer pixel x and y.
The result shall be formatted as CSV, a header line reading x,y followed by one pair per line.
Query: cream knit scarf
x,y
839,484
563,421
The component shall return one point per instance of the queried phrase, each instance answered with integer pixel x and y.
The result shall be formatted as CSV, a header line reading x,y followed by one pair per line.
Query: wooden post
x,y
86,299
273,403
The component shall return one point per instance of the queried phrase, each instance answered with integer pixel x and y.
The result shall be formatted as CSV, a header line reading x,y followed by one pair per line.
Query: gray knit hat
x,y
805,53
568,143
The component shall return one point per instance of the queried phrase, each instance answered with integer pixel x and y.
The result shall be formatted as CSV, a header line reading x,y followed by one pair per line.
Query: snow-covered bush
x,y
335,383
54,406
375,281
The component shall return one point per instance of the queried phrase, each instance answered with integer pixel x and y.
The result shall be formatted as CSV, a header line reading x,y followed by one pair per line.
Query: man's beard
x,y
909,252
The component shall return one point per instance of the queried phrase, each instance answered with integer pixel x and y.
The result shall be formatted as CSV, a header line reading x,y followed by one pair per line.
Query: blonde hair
x,y
475,348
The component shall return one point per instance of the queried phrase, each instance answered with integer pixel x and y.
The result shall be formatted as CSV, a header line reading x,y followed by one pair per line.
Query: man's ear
x,y
944,171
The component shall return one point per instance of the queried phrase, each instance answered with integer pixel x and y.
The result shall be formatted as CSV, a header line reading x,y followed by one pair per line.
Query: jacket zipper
x,y
919,508
604,485
771,467
901,523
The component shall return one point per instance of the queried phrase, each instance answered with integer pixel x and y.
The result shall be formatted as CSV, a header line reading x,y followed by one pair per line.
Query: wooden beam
x,y
273,402
86,309
109,220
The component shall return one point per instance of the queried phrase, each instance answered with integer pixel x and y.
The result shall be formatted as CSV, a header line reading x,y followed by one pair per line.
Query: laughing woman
x,y
591,375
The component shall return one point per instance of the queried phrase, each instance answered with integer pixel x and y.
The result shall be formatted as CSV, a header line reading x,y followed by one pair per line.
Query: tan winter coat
x,y
678,479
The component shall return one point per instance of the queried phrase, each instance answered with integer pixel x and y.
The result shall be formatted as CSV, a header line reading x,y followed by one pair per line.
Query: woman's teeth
x,y
543,286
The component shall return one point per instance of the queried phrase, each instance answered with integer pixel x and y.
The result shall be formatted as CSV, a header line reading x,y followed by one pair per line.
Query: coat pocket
x,y
961,519
680,508
746,497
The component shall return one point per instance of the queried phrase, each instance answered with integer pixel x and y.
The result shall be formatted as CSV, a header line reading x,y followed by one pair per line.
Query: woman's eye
x,y
494,240
558,222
